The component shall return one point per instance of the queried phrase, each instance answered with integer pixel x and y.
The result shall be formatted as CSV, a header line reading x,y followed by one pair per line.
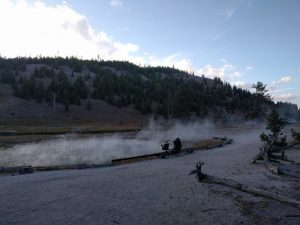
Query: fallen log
x,y
292,145
241,187
31,169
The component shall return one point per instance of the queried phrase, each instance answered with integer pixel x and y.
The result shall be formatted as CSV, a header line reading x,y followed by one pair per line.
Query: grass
x,y
203,144
28,131
134,160
19,139
46,127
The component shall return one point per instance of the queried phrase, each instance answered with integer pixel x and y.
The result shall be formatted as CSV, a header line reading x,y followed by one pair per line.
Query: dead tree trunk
x,y
260,155
241,187
292,145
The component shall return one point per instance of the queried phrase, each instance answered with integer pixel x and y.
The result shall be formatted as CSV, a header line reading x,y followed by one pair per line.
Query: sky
x,y
240,41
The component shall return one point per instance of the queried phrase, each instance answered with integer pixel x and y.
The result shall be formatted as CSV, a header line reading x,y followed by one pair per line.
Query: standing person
x,y
177,146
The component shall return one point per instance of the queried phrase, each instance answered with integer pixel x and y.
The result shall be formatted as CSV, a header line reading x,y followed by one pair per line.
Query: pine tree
x,y
261,91
274,141
275,124
40,92
261,97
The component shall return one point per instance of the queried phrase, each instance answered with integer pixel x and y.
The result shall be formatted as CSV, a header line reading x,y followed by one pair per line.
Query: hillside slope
x,y
113,92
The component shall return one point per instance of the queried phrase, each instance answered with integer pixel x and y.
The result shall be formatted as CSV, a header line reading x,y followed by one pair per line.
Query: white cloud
x,y
33,29
249,68
239,84
285,97
282,80
286,79
38,29
116,3
235,74
276,91
175,60
226,71
242,84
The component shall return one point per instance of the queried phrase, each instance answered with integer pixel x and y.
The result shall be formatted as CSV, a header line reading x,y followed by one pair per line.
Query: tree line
x,y
158,90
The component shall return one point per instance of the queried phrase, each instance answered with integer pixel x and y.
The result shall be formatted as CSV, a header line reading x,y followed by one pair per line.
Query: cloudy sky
x,y
240,41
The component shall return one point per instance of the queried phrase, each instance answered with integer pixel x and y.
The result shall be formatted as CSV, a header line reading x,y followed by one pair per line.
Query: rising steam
x,y
73,149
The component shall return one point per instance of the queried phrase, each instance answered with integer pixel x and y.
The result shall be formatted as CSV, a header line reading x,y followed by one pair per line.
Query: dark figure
x,y
165,148
177,146
165,145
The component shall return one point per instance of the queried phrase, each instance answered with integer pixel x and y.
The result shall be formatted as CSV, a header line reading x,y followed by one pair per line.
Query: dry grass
x,y
134,160
28,131
19,139
203,144
35,127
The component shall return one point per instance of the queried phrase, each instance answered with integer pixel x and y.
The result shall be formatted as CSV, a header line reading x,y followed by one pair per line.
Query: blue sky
x,y
240,41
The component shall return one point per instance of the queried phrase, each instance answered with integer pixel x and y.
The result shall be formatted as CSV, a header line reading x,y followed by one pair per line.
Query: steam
x,y
73,149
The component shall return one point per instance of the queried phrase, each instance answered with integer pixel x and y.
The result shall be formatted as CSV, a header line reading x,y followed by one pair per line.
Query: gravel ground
x,y
153,192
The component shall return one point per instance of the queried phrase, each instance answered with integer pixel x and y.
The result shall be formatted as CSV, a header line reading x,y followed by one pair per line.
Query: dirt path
x,y
152,192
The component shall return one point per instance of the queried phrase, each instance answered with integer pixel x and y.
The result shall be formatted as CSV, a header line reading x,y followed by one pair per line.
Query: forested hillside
x,y
158,91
